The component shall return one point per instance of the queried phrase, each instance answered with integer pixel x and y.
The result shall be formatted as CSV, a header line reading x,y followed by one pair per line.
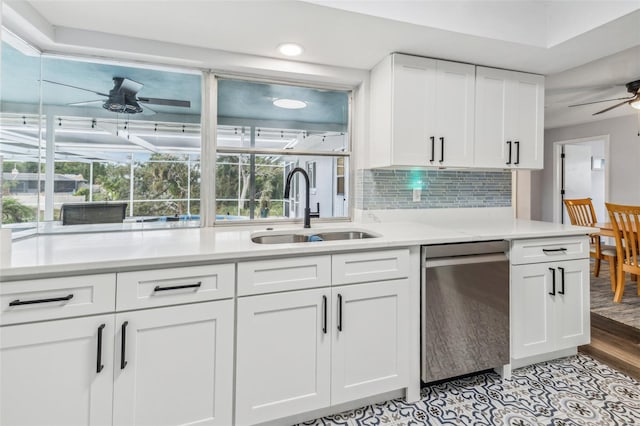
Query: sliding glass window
x,y
266,130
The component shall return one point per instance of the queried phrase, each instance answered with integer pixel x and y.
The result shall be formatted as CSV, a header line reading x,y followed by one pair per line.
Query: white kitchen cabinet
x,y
370,339
548,317
422,112
509,113
57,372
283,361
174,365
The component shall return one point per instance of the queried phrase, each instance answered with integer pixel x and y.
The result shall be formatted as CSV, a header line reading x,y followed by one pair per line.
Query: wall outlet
x,y
417,192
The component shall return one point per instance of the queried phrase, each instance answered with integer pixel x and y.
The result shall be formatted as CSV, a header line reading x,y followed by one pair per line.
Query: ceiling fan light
x,y
290,103
635,104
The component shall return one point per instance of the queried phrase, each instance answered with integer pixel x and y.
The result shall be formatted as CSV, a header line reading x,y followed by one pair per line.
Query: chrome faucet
x,y
287,188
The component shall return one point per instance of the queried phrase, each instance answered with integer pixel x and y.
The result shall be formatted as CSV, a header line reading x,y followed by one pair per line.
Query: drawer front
x,y
549,249
350,268
268,276
161,287
52,298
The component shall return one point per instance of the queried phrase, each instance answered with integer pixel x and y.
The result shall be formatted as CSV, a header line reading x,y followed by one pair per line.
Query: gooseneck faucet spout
x,y
287,188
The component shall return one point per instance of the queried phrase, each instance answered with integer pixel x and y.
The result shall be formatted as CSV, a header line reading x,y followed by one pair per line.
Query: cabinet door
x,y
414,114
370,339
176,365
526,114
531,310
283,355
49,372
572,322
455,111
491,128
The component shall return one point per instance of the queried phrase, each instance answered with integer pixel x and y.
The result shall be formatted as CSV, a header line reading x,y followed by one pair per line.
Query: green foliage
x,y
15,212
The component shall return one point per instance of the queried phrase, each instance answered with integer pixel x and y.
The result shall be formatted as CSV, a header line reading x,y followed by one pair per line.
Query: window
x,y
83,131
259,143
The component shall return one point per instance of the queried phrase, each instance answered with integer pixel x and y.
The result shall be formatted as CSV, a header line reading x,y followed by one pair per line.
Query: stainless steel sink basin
x,y
284,238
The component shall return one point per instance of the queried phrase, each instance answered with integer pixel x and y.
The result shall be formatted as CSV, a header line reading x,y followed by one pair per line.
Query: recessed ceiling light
x,y
289,103
290,49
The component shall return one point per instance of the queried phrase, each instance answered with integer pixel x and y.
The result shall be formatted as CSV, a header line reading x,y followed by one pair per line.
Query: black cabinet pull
x,y
554,250
517,144
31,302
441,150
553,282
433,149
324,314
339,312
99,365
561,280
123,342
509,143
178,287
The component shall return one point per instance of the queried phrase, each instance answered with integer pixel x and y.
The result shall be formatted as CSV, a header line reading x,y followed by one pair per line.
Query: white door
x,y
491,149
414,114
176,366
455,110
370,339
283,355
50,374
531,310
577,174
525,115
572,317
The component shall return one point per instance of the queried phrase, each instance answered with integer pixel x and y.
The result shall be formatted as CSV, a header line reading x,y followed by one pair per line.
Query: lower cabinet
x,y
303,350
163,366
174,365
57,372
549,307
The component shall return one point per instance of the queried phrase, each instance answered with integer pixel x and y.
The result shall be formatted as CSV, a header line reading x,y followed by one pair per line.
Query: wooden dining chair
x,y
581,213
625,221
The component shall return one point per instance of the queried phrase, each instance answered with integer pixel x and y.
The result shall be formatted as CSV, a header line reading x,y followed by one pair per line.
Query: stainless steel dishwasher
x,y
465,308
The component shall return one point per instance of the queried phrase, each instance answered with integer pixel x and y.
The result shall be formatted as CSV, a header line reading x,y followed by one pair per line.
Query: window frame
x,y
348,153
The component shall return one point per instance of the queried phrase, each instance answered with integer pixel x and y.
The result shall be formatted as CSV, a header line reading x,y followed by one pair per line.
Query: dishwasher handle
x,y
464,260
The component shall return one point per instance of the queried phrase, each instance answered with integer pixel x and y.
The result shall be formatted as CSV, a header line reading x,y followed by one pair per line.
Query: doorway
x,y
581,171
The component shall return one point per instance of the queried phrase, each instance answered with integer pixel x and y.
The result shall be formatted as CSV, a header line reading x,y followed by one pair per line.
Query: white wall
x,y
624,162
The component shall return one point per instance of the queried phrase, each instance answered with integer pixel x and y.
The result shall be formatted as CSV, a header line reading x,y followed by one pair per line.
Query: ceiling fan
x,y
123,98
633,100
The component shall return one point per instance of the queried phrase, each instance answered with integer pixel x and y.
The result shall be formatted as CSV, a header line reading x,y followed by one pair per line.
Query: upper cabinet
x,y
429,112
422,112
509,119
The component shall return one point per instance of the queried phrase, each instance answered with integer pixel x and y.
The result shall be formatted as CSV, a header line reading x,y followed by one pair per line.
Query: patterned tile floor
x,y
572,391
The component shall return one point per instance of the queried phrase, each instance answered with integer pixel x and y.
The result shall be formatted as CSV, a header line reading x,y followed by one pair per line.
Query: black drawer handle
x,y
339,312
554,250
178,287
561,279
517,144
324,314
99,365
509,143
433,149
123,342
31,302
441,150
553,282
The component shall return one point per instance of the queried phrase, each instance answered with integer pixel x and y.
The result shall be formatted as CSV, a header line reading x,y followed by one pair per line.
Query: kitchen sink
x,y
298,237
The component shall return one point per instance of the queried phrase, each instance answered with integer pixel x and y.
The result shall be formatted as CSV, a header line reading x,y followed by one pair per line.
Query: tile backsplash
x,y
393,189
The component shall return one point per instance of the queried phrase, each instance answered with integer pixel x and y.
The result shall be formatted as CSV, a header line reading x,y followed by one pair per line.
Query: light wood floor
x,y
615,344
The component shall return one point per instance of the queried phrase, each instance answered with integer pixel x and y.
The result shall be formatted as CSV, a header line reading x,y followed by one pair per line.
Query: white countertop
x,y
71,254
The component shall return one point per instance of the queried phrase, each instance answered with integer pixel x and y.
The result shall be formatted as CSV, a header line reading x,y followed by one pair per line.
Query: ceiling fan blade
x,y
167,102
85,102
147,110
615,106
604,100
75,87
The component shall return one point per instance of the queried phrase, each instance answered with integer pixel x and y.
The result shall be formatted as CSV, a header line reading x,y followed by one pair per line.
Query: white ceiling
x,y
555,38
